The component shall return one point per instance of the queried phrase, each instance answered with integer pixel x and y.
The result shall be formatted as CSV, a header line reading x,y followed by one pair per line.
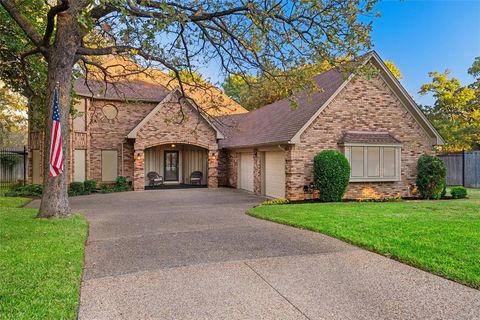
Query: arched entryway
x,y
175,163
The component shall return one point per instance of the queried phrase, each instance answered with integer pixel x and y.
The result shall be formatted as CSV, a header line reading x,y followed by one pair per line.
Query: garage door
x,y
275,174
246,171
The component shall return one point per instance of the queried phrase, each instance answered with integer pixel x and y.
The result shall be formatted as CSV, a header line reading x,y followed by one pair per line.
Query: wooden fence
x,y
463,168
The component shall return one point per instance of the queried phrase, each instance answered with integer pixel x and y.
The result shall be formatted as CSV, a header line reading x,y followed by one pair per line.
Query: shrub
x,y
121,184
105,188
331,174
90,186
76,189
28,190
458,192
431,176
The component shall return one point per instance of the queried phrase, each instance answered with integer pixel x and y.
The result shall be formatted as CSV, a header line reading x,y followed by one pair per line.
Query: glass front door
x,y
171,165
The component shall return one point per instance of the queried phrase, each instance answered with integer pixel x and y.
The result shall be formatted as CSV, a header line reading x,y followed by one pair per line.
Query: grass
x,y
41,263
442,237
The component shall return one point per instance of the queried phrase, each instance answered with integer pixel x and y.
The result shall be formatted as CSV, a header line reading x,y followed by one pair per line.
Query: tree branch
x,y
63,6
23,22
101,11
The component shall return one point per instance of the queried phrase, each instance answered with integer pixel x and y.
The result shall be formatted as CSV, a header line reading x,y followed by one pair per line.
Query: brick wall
x,y
105,134
363,105
179,124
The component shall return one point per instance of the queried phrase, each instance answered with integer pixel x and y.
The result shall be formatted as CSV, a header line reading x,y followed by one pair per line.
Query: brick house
x,y
269,151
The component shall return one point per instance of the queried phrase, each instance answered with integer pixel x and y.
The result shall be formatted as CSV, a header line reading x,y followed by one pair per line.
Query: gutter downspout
x,y
124,140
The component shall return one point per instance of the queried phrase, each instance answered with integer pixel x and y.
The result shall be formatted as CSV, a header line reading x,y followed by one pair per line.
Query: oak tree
x,y
239,36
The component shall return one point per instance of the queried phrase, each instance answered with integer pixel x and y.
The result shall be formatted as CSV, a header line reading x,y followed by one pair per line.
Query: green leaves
x,y
456,112
431,176
331,175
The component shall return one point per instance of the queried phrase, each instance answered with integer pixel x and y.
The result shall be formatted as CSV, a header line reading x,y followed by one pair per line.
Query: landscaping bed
x,y
41,262
442,237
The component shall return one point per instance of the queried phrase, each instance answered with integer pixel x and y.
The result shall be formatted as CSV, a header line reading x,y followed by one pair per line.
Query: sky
x,y
428,35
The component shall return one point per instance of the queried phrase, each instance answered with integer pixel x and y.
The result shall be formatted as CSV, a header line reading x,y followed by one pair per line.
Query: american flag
x,y
56,152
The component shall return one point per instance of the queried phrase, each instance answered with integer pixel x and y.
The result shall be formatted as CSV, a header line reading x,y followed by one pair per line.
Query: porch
x,y
175,164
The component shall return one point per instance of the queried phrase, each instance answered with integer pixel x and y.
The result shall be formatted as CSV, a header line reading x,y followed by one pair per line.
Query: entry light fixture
x,y
173,145
138,156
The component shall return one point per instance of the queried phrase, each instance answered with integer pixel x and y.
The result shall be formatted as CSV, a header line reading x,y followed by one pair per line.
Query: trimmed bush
x,y
431,176
90,186
76,189
331,175
121,184
458,192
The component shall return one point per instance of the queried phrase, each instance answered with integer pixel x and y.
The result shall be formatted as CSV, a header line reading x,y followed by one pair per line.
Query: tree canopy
x,y
20,75
456,111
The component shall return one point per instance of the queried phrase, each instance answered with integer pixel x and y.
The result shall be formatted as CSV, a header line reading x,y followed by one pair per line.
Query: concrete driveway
x,y
194,254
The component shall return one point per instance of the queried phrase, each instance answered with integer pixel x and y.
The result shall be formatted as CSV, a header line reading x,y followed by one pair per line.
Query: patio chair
x,y
196,177
154,178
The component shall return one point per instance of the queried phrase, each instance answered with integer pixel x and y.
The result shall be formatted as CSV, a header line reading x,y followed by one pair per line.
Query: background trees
x,y
13,118
456,111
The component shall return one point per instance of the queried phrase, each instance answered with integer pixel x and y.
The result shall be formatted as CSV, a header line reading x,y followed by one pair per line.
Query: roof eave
x,y
256,145
117,99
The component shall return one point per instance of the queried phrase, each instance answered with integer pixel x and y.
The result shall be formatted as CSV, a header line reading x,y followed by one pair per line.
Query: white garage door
x,y
246,171
275,174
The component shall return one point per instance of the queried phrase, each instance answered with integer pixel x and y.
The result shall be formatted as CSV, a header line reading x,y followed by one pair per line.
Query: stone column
x,y
138,170
294,170
257,171
213,168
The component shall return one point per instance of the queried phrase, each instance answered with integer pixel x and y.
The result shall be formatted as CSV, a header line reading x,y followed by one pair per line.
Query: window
x,y
79,165
109,165
373,162
110,111
79,120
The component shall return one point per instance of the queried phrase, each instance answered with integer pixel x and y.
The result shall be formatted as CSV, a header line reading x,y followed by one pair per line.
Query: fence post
x,y
25,158
463,167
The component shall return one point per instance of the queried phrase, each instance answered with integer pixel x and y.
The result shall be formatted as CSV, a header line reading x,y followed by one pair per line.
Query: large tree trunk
x,y
61,58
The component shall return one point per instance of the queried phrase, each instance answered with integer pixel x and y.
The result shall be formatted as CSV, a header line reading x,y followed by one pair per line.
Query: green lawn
x,y
442,237
41,263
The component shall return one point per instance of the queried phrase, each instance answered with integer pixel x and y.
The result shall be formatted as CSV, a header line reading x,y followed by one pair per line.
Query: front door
x,y
171,166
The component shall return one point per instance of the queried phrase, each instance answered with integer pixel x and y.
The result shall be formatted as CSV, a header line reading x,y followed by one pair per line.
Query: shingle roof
x,y
368,138
148,83
135,90
279,121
